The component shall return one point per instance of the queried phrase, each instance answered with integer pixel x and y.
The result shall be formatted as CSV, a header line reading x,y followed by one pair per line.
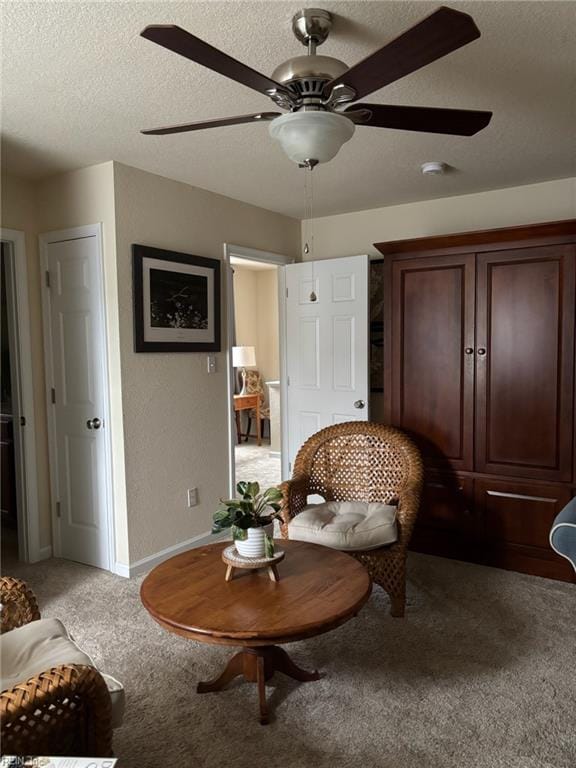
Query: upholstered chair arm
x,y
64,711
294,499
18,604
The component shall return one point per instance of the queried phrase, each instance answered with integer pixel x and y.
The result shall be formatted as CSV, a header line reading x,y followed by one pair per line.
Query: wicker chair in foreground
x,y
65,710
362,462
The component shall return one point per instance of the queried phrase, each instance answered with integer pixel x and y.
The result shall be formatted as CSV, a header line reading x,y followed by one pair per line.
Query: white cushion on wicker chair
x,y
40,645
345,525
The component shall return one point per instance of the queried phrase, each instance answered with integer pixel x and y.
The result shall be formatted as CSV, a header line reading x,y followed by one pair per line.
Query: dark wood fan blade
x,y
185,127
178,40
440,33
457,122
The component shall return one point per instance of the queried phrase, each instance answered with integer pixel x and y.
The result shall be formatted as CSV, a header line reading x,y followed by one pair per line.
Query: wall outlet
x,y
192,497
211,363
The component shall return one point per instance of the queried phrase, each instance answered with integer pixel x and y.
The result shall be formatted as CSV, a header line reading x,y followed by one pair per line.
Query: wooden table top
x,y
319,589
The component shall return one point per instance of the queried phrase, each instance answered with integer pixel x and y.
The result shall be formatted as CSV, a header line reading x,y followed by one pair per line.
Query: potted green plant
x,y
250,519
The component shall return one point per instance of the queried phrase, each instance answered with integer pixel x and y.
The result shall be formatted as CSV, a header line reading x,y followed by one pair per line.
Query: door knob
x,y
94,423
469,350
359,404
481,351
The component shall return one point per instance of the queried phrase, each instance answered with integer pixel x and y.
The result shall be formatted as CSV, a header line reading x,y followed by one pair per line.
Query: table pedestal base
x,y
258,665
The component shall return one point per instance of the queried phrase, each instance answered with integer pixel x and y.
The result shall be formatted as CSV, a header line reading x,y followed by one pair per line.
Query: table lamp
x,y
242,357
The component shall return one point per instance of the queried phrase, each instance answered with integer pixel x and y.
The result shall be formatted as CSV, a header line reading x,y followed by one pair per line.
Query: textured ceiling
x,y
79,83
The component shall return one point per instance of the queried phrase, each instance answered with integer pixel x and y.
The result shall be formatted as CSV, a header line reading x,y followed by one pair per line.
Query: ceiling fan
x,y
318,90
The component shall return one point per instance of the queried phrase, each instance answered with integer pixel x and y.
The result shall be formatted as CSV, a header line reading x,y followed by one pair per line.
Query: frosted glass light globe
x,y
311,135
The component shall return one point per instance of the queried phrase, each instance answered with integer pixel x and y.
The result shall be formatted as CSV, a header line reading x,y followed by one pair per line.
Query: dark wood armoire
x,y
479,368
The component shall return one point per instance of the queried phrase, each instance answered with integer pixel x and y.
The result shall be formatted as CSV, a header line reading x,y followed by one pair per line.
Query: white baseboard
x,y
120,569
149,562
42,553
275,454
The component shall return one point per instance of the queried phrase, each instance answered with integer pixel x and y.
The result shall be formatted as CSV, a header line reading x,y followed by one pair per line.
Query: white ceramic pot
x,y
254,545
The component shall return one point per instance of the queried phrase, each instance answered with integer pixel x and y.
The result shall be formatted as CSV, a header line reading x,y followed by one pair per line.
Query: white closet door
x,y
77,342
327,345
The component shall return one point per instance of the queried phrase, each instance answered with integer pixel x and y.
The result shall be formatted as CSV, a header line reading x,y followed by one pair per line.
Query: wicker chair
x,y
361,461
65,710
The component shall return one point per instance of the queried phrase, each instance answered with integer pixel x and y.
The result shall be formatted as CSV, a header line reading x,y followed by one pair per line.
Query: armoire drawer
x,y
516,519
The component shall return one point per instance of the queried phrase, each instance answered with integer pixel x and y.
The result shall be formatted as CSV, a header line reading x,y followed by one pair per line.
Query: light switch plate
x,y
192,497
211,363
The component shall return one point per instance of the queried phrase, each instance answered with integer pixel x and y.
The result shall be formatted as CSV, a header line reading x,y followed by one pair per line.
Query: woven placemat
x,y
231,556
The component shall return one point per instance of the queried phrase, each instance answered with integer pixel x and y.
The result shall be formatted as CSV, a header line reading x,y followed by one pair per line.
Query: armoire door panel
x,y
432,364
524,362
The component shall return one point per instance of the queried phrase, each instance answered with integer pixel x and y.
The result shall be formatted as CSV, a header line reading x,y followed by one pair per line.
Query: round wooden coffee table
x,y
318,589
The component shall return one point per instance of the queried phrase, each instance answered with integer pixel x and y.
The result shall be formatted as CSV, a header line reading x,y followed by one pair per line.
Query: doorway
x,y
255,365
8,450
20,523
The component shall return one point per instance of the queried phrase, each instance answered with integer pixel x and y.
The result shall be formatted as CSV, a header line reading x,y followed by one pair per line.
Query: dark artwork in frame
x,y
377,325
176,301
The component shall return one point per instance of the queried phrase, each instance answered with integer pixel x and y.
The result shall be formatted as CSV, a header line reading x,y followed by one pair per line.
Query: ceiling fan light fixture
x,y
308,136
309,68
313,88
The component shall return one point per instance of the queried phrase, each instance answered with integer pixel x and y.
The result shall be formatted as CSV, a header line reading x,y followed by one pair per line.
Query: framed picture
x,y
377,325
176,301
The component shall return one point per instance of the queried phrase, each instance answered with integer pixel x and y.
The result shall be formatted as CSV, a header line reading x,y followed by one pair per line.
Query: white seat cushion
x,y
345,525
40,645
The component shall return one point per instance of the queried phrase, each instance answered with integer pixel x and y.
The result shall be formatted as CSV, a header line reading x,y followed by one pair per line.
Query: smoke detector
x,y
433,168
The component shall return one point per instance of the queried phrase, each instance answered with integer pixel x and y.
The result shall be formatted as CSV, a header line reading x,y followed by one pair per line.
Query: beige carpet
x,y
253,462
480,674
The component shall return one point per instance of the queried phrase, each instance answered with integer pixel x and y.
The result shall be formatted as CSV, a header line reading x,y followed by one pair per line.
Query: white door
x,y
327,346
74,315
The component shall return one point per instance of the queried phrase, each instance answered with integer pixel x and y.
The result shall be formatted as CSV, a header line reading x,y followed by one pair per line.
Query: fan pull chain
x,y
308,214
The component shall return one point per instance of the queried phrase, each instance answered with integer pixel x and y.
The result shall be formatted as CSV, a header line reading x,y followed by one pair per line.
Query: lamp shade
x,y
243,356
311,135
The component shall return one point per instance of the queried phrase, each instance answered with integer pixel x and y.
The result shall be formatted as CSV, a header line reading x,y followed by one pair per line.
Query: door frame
x,y
76,233
21,371
279,260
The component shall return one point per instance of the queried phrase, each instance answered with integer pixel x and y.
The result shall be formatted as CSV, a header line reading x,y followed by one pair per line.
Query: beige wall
x,y
246,309
19,212
353,233
268,324
256,304
175,415
168,414
64,201
168,419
